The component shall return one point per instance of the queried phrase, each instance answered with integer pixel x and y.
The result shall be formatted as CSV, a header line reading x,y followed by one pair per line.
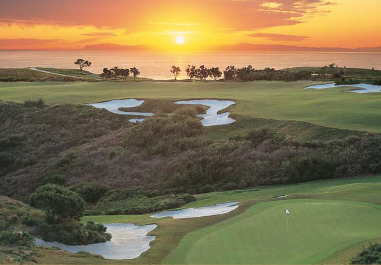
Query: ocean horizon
x,y
157,65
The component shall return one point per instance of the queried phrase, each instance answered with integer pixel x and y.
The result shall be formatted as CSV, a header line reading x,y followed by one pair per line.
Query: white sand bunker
x,y
362,88
212,118
114,105
128,241
199,212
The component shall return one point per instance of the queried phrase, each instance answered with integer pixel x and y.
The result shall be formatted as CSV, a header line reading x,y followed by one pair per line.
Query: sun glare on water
x,y
180,40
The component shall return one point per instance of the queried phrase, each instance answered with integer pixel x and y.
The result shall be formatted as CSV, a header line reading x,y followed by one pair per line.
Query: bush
x,y
72,232
15,238
54,179
58,202
167,135
40,103
258,136
370,255
90,192
186,111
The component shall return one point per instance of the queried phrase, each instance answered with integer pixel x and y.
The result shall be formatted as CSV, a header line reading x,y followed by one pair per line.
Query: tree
x,y
115,71
135,72
82,63
58,203
125,73
202,72
191,71
215,73
106,73
230,73
175,70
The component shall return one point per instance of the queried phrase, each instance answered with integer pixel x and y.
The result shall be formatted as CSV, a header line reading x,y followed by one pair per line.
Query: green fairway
x,y
315,230
351,195
270,100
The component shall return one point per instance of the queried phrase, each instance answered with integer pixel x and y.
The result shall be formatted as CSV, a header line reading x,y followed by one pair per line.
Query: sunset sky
x,y
73,24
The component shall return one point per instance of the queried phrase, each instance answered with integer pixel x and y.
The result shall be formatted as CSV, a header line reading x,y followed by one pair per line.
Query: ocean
x,y
157,65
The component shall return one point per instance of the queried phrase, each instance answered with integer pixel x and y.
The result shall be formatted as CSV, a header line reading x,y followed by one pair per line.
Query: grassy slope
x,y
316,229
270,100
170,232
29,75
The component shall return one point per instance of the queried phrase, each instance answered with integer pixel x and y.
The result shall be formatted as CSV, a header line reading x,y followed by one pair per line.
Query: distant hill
x,y
238,47
266,47
111,46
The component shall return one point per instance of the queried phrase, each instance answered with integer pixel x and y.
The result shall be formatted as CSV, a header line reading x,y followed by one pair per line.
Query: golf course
x,y
327,221
269,100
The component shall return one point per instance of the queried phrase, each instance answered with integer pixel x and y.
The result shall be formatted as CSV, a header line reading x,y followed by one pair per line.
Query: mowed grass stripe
x,y
316,230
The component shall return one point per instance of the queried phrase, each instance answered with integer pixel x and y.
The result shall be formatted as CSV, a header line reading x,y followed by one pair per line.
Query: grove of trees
x,y
202,72
122,73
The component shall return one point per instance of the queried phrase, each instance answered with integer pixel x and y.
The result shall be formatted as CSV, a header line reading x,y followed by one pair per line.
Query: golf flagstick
x,y
287,213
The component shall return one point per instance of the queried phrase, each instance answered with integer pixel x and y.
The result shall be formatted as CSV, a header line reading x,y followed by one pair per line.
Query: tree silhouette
x,y
202,72
175,70
106,73
82,63
125,73
215,73
230,72
135,72
191,71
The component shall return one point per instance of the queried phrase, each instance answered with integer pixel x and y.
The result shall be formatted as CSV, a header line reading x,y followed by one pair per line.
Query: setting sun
x,y
180,40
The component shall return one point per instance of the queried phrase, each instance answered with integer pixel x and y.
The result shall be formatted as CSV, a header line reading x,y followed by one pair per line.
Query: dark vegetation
x,y
120,73
119,168
28,75
20,224
369,255
202,72
343,75
163,106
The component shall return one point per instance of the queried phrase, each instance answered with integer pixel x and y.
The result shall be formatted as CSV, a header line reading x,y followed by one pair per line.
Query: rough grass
x,y
268,100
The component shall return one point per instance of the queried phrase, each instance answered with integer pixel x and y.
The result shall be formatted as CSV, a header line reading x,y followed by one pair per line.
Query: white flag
x,y
287,212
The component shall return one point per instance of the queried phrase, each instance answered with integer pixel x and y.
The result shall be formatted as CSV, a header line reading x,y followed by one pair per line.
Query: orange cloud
x,y
204,23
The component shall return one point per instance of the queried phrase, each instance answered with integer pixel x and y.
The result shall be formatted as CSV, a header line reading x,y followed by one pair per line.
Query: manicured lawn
x,y
351,189
344,192
270,100
316,229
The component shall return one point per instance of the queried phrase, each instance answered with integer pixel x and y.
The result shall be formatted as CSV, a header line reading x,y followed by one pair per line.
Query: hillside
x,y
169,154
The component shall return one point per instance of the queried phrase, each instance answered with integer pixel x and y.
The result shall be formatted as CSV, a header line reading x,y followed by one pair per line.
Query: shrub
x,y
40,103
186,111
58,202
90,192
72,232
15,238
258,136
167,135
57,179
370,255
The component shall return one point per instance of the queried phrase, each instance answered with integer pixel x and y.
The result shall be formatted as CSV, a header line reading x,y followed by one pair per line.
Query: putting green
x,y
316,230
